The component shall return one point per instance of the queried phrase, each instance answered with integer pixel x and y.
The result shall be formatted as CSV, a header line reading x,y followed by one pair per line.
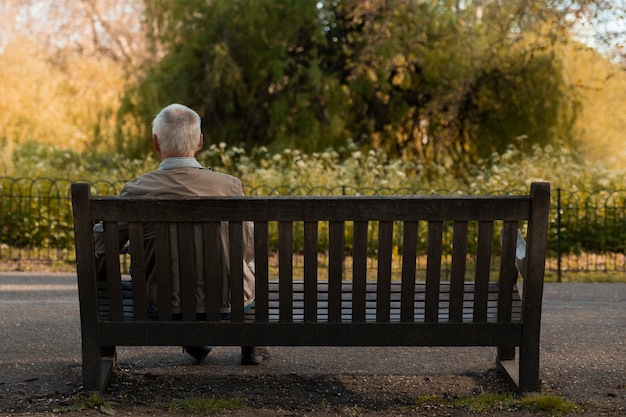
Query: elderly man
x,y
176,138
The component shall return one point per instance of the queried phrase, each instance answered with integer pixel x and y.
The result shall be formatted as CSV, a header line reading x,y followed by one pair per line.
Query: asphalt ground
x,y
583,346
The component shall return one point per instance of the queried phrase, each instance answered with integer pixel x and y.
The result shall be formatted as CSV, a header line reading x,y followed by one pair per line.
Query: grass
x,y
92,402
552,404
588,276
199,405
194,405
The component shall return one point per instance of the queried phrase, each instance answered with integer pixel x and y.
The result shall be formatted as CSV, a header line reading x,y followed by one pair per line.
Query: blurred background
x,y
304,96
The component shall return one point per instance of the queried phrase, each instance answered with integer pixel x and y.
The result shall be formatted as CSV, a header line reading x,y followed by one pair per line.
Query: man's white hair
x,y
177,128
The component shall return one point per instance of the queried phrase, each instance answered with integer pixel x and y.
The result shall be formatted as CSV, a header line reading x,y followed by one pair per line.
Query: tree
x,y
251,69
109,29
63,67
440,81
70,105
450,81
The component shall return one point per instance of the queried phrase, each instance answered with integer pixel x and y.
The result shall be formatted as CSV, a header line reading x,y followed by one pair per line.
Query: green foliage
x,y
249,68
591,197
442,82
56,98
90,402
207,405
426,81
35,209
36,160
552,404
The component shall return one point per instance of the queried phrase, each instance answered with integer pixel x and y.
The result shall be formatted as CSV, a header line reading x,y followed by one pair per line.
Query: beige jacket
x,y
188,181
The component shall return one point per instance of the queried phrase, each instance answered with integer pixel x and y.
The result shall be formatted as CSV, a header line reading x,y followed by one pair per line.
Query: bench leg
x,y
522,374
508,366
529,368
506,353
98,365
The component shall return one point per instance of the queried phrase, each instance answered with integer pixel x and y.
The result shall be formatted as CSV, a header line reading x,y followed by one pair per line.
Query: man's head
x,y
176,132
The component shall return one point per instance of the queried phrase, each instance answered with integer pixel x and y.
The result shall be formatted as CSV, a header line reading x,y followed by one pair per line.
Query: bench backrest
x,y
382,231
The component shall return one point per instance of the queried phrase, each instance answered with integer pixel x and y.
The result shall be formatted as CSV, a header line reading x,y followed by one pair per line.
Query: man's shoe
x,y
254,355
198,352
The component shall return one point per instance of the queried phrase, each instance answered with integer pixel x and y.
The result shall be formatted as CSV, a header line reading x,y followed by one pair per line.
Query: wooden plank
x,y
199,273
261,256
313,208
508,272
156,333
457,277
409,255
139,273
310,269
186,268
285,265
359,271
235,243
385,250
533,285
483,268
87,291
162,270
112,260
213,267
335,268
433,270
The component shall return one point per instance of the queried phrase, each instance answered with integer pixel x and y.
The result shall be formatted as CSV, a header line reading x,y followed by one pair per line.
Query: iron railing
x,y
587,229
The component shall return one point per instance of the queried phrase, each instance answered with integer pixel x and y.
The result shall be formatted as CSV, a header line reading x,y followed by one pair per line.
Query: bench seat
x,y
468,315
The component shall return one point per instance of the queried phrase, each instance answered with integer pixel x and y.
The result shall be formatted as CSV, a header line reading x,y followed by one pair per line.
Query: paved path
x,y
583,351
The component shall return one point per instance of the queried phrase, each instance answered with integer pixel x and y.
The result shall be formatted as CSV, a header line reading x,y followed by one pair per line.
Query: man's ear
x,y
155,144
201,141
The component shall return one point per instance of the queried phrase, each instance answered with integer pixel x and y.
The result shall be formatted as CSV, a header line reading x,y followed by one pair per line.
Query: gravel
x,y
582,360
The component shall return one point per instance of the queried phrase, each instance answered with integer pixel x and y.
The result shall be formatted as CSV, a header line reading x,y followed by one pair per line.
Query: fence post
x,y
558,234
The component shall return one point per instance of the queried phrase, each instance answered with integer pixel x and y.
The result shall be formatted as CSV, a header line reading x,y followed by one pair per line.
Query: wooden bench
x,y
330,271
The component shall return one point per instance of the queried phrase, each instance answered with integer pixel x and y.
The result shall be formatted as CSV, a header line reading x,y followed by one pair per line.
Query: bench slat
x,y
261,267
483,267
137,251
313,208
385,250
213,266
187,268
310,269
409,254
335,267
359,270
312,334
459,250
236,270
163,267
112,245
285,261
433,269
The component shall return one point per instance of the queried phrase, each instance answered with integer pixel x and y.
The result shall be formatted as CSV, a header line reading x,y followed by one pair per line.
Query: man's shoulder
x,y
183,181
221,175
185,171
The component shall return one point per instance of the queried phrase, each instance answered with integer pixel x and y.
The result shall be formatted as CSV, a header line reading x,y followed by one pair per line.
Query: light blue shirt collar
x,y
179,162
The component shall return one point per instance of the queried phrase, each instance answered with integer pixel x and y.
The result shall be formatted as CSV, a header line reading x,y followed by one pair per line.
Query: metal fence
x,y
587,229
